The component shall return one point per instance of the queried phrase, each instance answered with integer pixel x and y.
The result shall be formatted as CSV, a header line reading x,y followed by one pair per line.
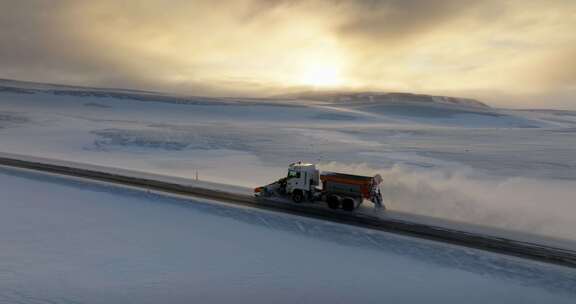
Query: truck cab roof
x,y
301,164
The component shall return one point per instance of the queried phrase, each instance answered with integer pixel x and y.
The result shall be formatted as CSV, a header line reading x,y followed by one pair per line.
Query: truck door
x,y
294,177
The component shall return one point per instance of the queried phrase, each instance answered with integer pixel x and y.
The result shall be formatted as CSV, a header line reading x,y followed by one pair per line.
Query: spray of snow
x,y
521,204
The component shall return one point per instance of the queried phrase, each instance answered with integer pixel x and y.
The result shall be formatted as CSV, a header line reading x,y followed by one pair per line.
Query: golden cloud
x,y
484,48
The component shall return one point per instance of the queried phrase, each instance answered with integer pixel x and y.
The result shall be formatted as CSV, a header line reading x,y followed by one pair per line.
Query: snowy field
x,y
447,158
69,241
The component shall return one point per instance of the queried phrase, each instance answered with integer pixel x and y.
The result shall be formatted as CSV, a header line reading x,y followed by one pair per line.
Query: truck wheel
x,y
297,196
348,204
333,202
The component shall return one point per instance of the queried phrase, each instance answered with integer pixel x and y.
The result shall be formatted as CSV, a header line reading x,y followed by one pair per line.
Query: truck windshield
x,y
293,174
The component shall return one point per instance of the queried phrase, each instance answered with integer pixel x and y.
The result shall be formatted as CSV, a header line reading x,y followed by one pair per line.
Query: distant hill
x,y
27,87
402,108
339,97
334,97
352,98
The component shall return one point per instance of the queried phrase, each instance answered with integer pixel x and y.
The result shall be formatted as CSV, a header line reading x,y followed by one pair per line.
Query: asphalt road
x,y
368,220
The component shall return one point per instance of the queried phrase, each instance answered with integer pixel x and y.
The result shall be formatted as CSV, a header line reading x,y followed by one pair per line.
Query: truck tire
x,y
333,201
348,204
297,196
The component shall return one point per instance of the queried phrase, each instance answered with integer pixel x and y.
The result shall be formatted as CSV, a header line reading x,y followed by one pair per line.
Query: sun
x,y
321,76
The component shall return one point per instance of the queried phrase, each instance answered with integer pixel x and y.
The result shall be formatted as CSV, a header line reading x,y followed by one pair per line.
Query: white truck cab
x,y
303,177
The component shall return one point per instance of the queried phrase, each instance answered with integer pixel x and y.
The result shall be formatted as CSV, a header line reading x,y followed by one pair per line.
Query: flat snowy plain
x,y
67,241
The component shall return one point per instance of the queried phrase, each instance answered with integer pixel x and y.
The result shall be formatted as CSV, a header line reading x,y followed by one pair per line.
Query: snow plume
x,y
544,207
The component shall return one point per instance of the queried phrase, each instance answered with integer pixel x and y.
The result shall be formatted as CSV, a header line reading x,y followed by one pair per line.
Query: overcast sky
x,y
511,53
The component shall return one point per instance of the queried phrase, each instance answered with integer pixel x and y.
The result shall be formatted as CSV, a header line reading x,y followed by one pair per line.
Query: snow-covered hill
x,y
26,87
382,97
419,108
359,107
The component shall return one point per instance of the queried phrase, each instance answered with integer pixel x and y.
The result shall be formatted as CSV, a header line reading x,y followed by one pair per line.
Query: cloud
x,y
260,46
513,48
398,20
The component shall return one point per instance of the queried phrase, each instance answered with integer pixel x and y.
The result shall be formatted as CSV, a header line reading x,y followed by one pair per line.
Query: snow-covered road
x,y
66,241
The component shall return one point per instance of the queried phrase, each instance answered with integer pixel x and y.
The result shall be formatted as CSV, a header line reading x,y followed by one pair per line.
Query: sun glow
x,y
321,76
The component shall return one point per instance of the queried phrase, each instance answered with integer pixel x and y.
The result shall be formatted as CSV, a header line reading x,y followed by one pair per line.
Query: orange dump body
x,y
361,185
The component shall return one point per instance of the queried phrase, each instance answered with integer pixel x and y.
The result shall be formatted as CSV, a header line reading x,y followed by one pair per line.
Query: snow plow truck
x,y
305,183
